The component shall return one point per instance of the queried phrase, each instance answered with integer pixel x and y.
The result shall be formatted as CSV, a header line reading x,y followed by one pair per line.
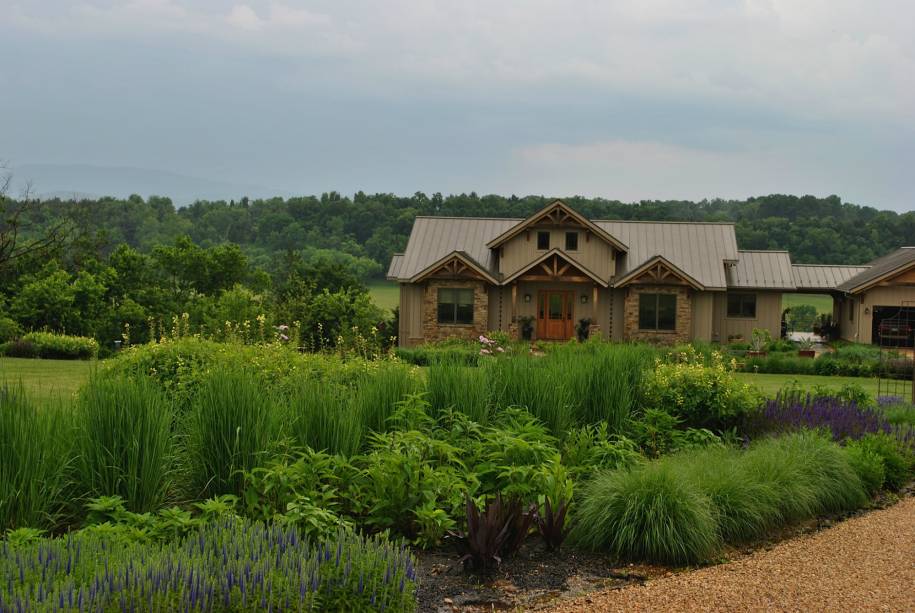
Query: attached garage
x,y
878,305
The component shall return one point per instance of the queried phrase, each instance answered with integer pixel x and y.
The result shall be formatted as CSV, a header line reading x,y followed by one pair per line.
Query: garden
x,y
202,475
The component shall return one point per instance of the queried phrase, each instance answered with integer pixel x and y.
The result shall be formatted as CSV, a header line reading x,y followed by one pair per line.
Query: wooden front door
x,y
554,315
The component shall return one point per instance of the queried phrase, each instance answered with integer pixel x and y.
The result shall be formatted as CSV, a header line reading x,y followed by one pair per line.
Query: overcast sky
x,y
622,99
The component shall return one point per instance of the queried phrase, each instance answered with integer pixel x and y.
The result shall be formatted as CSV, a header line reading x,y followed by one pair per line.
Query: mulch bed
x,y
533,578
536,578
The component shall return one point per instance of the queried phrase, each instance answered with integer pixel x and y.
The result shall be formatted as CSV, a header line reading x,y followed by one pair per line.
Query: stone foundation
x,y
434,331
631,330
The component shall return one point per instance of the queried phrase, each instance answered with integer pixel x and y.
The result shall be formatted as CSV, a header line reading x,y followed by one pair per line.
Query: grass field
x,y
46,379
822,302
385,294
770,384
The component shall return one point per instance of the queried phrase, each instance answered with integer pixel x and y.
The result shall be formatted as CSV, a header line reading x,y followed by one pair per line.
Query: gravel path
x,y
863,564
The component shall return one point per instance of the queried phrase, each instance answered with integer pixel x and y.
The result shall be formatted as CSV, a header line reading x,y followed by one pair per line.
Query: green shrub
x,y
125,442
897,463
19,349
35,457
648,513
9,329
233,427
61,346
868,465
699,395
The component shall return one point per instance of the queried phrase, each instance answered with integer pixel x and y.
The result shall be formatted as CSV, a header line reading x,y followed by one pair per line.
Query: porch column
x,y
594,328
514,332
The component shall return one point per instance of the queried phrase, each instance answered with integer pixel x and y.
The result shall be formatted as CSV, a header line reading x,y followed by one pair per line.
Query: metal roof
x,y
879,269
432,238
823,276
699,249
394,268
761,270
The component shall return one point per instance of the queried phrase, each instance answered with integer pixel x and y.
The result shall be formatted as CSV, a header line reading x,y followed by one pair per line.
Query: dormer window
x,y
543,241
571,241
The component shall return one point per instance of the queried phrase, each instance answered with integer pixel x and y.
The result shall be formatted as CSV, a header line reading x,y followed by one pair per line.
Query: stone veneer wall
x,y
434,331
684,315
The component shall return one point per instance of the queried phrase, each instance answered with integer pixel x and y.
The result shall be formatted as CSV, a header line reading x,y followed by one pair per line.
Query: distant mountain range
x,y
84,181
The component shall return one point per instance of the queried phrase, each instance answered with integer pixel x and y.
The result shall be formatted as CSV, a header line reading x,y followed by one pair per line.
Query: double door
x,y
555,320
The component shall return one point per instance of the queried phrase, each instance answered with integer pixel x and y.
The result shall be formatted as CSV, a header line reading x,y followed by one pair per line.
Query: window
x,y
571,241
851,310
657,311
543,241
742,305
455,306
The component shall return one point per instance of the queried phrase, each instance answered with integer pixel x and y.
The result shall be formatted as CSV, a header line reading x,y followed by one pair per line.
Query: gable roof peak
x,y
549,213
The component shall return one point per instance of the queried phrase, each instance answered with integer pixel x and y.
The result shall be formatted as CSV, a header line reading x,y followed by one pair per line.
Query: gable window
x,y
543,241
657,311
455,305
742,305
571,241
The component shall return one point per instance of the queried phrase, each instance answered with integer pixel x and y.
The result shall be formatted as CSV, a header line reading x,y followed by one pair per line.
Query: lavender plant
x,y
230,565
844,419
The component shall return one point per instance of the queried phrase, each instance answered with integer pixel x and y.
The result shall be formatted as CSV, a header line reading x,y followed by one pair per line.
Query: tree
x,y
19,237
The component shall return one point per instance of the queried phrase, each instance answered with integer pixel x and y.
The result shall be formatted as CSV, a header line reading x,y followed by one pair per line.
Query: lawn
x,y
822,302
771,383
46,379
385,294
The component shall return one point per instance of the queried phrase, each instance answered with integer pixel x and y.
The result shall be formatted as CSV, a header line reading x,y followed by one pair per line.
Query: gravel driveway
x,y
863,564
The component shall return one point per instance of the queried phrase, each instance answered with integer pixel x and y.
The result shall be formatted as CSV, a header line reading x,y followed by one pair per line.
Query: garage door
x,y
894,326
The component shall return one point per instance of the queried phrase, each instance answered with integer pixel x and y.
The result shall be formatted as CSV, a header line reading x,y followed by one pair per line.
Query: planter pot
x,y
527,334
757,354
807,353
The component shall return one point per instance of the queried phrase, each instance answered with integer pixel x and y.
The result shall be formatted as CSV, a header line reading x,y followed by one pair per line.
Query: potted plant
x,y
805,348
527,327
583,328
759,344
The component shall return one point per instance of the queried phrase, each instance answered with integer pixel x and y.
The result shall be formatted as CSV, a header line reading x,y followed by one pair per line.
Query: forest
x,y
89,267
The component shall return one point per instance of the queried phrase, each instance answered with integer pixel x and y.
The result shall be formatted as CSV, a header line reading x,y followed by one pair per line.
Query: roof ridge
x,y
836,265
657,221
468,217
762,251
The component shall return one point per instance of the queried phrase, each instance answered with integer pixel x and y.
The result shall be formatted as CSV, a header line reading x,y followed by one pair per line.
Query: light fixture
x,y
584,299
527,297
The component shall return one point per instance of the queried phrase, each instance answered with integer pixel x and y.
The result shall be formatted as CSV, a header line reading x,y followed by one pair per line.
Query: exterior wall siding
x,y
684,315
594,254
768,316
410,329
703,316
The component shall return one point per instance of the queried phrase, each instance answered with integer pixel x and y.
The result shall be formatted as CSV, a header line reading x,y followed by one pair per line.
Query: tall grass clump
x,y
125,442
233,426
35,455
378,391
811,472
536,384
648,513
452,385
744,508
604,380
681,508
322,416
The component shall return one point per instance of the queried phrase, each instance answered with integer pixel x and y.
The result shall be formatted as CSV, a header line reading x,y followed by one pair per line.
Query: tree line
x,y
90,266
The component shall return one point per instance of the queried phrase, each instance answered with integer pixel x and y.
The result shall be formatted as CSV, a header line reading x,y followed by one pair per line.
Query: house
x,y
624,280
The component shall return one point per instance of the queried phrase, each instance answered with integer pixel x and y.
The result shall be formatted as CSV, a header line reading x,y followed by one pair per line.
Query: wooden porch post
x,y
514,301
